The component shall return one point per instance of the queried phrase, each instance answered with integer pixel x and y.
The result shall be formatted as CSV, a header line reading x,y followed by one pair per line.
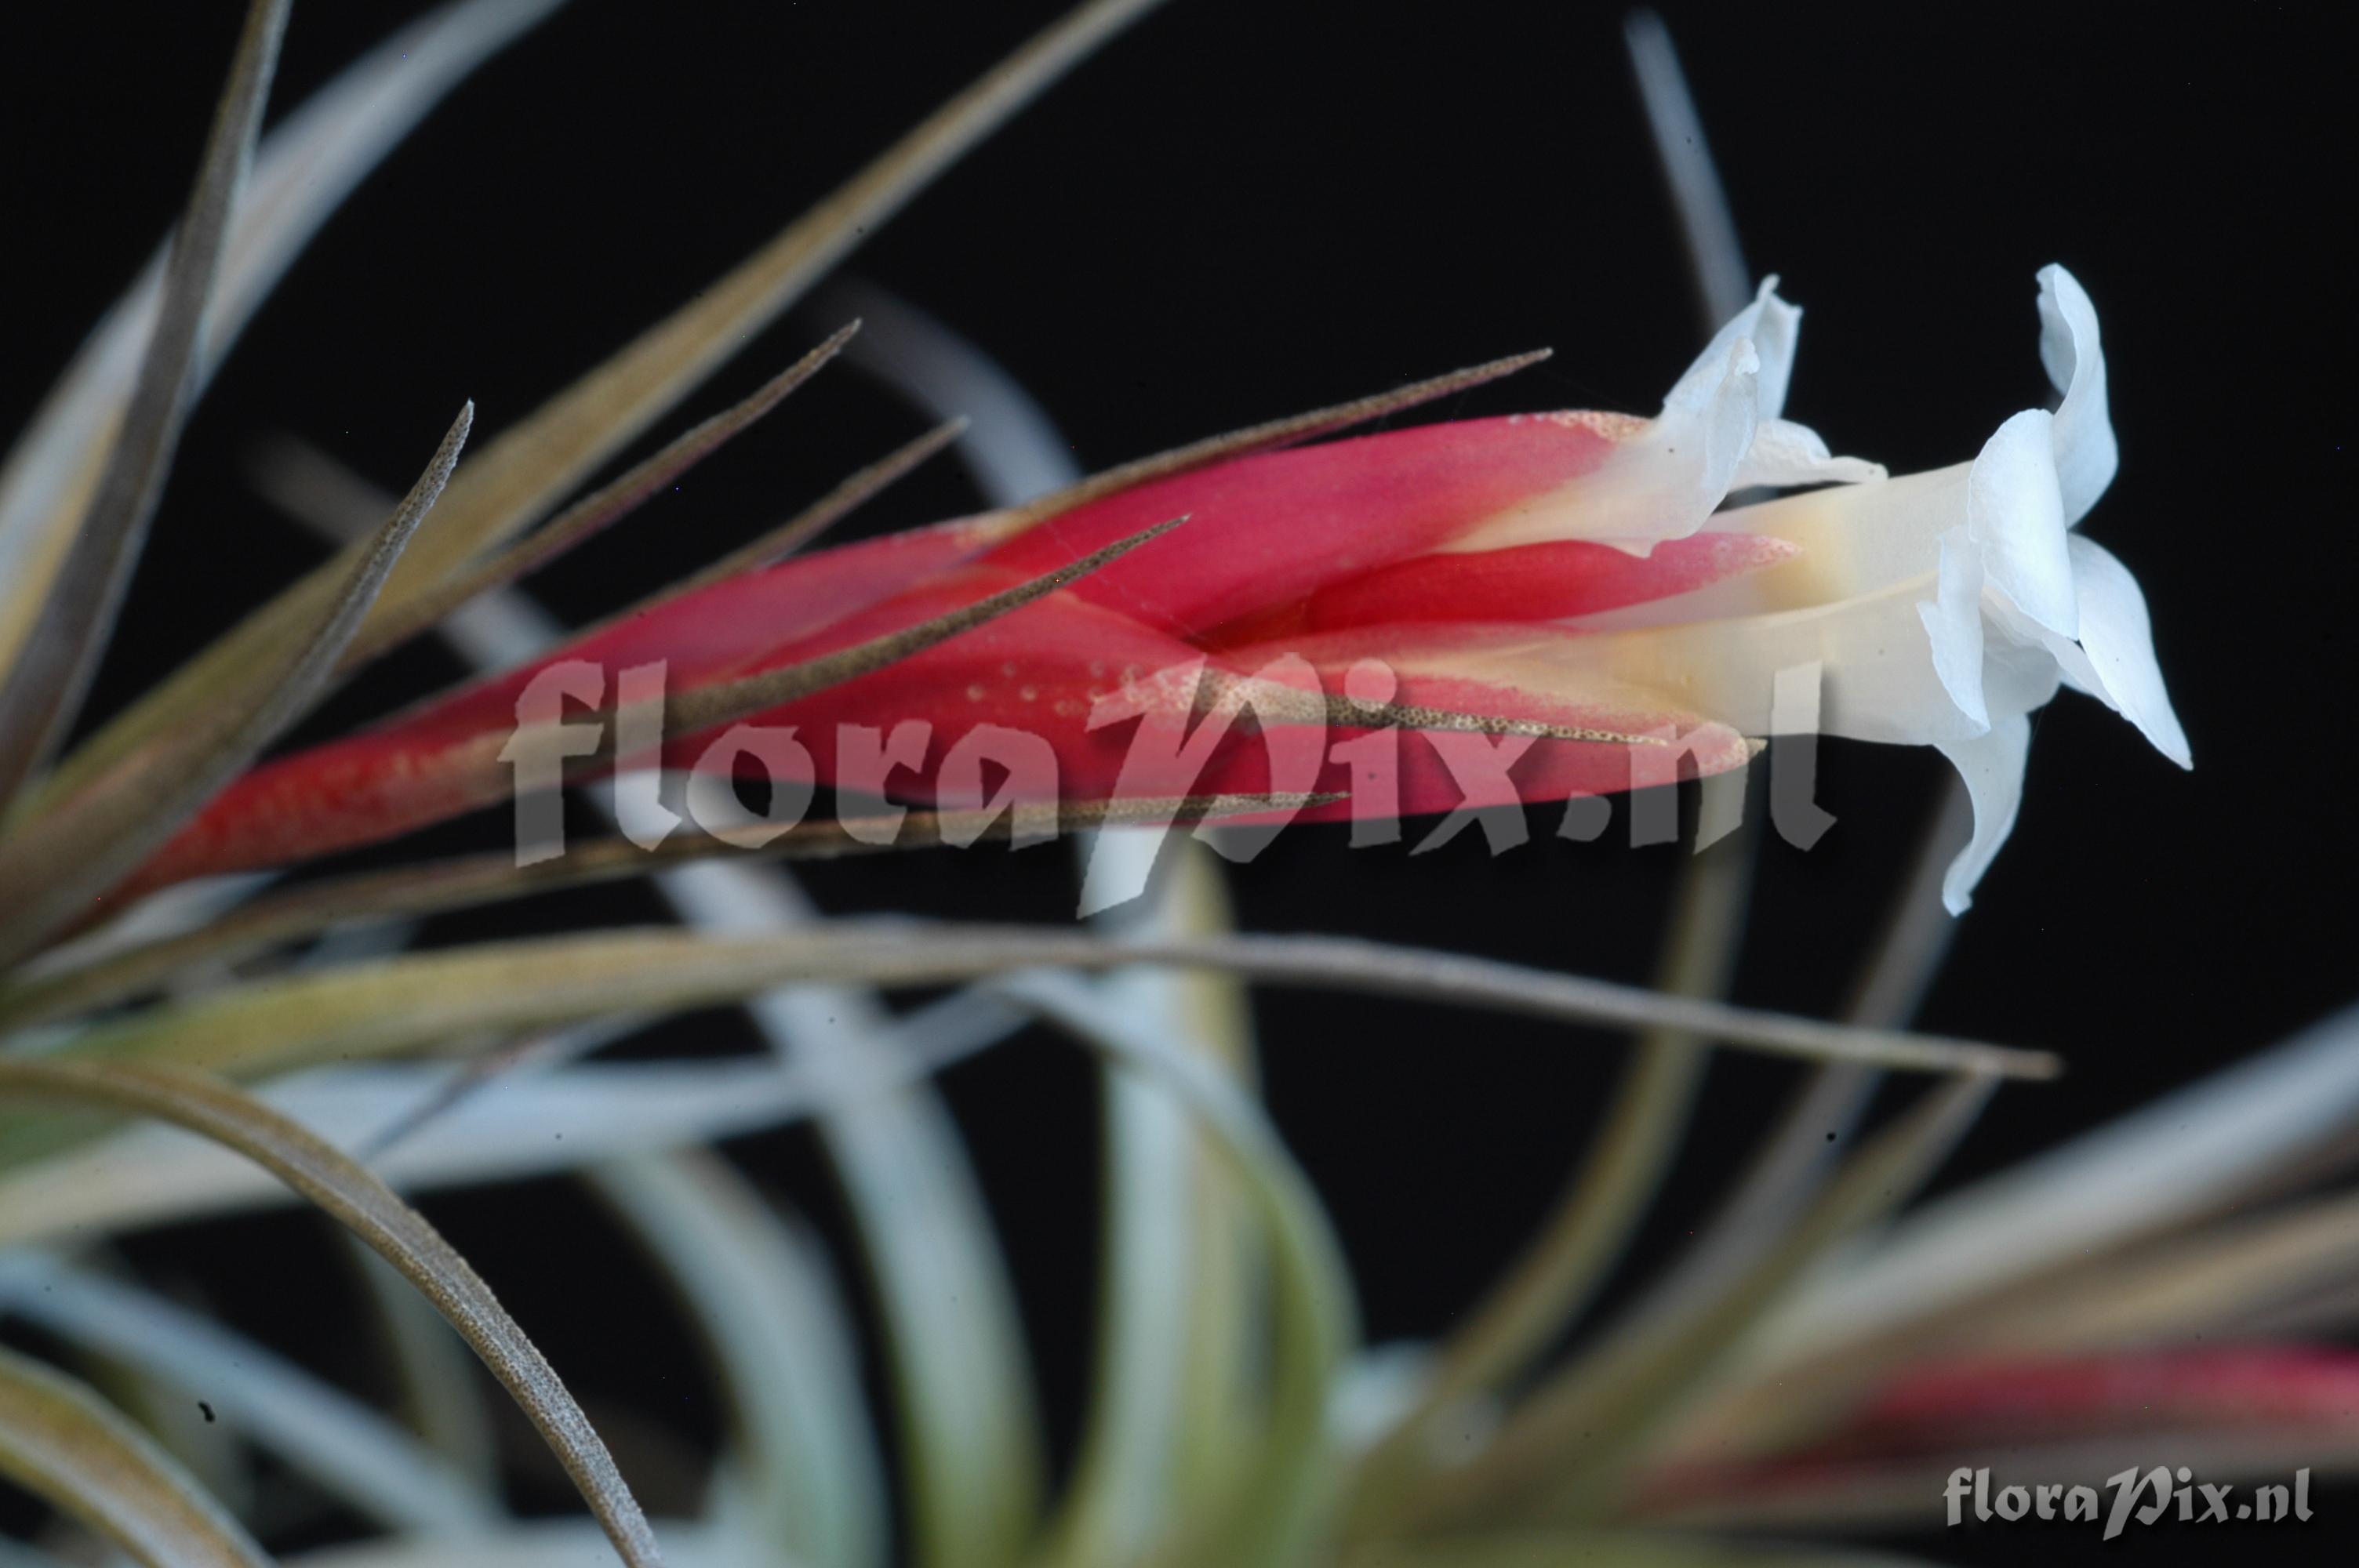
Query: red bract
x,y
1335,553
2171,1401
2165,1390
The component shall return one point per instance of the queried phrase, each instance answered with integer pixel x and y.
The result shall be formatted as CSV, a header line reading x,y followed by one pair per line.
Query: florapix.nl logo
x,y
2143,1497
572,719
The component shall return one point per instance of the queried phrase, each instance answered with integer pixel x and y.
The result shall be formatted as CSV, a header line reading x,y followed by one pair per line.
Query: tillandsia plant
x,y
1443,620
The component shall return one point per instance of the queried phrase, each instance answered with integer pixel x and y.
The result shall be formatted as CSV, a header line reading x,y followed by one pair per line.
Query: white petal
x,y
1854,539
1784,453
2086,454
1992,768
1953,624
2117,637
1776,329
2016,513
2019,677
1718,430
1664,481
1772,327
1661,484
1881,683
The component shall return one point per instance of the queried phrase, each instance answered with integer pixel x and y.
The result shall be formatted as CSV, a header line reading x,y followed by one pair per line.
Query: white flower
x,y
1942,608
1719,431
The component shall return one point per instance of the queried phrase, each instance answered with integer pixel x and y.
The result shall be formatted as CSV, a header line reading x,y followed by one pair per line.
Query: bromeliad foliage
x,y
1471,613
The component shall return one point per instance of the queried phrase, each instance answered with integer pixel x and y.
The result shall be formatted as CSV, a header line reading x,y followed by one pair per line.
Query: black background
x,y
1244,209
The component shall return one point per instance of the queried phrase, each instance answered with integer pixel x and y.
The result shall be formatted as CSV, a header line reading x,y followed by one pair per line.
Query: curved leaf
x,y
114,971
315,1428
403,1003
784,540
532,1125
516,477
1270,1518
806,1475
599,510
368,1207
305,167
1574,1441
61,1442
1566,1265
437,1394
41,688
81,846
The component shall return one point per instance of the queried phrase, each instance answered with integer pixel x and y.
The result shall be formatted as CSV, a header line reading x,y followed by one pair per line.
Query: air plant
x,y
1552,607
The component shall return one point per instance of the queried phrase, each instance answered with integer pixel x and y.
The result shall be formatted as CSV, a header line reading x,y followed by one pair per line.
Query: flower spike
x,y
1568,586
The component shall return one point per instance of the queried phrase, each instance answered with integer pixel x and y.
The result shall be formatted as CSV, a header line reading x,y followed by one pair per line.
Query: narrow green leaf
x,y
952,1336
471,770
317,491
1277,703
403,1004
481,1066
2221,1280
437,1392
47,990
1220,1387
304,168
62,1444
314,1428
708,707
1274,1513
804,527
42,689
517,477
558,447
400,1004
2246,1130
1797,1158
1573,1442
588,516
2098,1238
534,1543
1715,259
1174,1397
74,851
805,1476
531,1124
398,1232
1565,1266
